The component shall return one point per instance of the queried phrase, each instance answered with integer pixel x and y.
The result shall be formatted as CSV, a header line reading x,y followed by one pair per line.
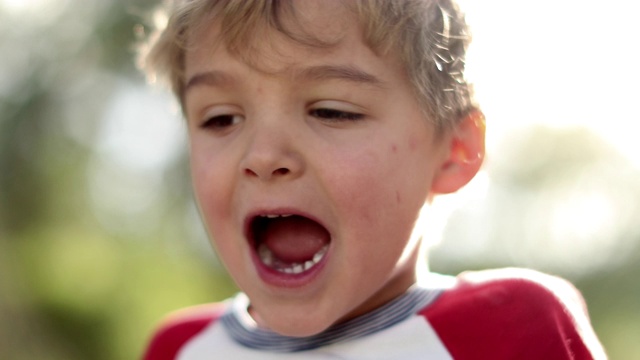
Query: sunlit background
x,y
99,236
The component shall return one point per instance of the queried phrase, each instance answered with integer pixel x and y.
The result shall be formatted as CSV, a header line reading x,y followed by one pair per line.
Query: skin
x,y
289,133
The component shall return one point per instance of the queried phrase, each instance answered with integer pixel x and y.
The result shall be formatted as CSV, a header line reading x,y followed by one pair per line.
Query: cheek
x,y
386,185
214,198
365,184
377,209
210,183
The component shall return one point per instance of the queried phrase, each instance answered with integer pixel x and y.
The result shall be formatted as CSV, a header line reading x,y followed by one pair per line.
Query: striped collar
x,y
243,329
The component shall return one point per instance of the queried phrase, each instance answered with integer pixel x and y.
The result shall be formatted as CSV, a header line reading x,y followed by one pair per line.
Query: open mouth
x,y
289,244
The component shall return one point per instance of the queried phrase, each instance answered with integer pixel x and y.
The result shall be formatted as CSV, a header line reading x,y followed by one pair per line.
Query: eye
x,y
334,115
220,122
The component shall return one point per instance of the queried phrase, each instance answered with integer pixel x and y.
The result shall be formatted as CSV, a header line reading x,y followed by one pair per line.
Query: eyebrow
x,y
209,78
339,72
314,73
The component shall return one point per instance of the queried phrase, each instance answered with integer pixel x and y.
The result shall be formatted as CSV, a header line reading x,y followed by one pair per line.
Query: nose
x,y
272,154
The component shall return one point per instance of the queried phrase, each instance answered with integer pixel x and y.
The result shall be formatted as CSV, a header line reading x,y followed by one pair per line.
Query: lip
x,y
271,276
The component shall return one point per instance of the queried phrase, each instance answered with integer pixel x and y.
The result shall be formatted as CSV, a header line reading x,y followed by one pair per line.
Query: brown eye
x,y
220,122
335,115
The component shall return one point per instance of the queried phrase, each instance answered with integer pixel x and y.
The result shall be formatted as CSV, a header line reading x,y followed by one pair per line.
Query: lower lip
x,y
283,280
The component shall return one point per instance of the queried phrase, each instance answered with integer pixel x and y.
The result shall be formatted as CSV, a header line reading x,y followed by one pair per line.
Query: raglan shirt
x,y
493,314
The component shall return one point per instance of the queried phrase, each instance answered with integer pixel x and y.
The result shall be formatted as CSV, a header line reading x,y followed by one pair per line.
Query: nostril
x,y
281,171
277,172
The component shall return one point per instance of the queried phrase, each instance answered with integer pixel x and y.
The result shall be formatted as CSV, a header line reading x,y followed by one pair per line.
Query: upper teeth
x,y
273,216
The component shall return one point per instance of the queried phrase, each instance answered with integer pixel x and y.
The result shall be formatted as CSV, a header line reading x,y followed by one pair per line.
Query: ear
x,y
466,153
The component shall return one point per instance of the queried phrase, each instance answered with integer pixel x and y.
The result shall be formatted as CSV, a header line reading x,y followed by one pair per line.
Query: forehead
x,y
275,38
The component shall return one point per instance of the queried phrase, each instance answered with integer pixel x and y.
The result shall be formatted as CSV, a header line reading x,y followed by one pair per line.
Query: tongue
x,y
294,239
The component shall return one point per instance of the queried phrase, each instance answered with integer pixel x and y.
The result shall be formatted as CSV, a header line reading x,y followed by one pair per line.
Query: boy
x,y
318,131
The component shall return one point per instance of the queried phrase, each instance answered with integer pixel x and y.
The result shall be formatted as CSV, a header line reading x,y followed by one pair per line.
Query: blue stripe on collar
x,y
239,328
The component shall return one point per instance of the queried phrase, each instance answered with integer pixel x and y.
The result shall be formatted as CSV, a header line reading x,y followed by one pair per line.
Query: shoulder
x,y
177,328
519,290
513,313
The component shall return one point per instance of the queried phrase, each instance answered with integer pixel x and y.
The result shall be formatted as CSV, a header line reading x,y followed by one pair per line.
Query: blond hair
x,y
430,38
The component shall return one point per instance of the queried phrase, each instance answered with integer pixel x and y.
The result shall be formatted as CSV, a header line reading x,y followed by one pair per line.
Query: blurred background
x,y
99,236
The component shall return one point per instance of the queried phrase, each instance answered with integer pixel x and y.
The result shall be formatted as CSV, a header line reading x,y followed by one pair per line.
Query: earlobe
x,y
465,156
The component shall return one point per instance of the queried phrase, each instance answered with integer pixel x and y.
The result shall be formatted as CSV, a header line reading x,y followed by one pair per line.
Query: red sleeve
x,y
513,314
178,328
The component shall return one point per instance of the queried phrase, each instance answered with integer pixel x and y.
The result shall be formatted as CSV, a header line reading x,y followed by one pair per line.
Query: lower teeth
x,y
268,258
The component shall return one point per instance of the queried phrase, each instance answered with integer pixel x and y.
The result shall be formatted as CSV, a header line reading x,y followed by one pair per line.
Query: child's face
x,y
331,136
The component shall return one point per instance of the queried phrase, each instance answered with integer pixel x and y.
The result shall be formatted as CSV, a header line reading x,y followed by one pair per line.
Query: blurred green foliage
x,y
71,287
81,282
